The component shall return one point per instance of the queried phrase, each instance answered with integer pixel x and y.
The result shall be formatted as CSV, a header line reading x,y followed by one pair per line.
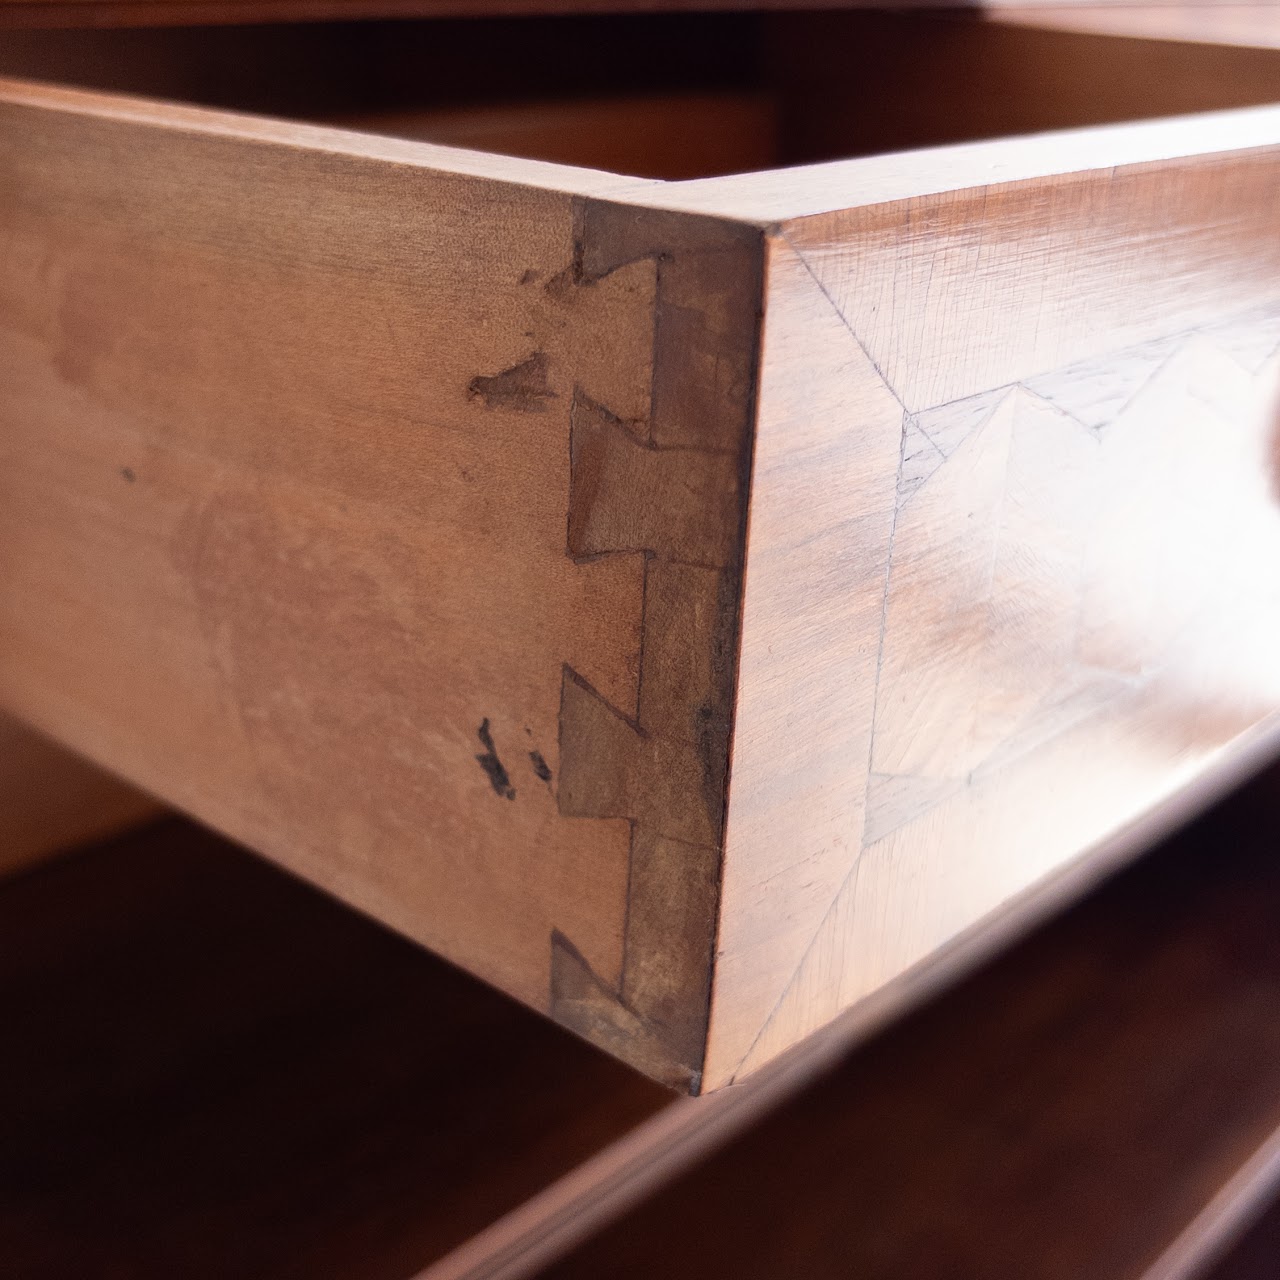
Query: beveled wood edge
x,y
1238,1204
779,196
604,1187
1220,22
765,198
597,1192
250,127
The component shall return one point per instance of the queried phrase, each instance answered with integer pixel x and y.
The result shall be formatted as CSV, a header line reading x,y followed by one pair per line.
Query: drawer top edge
x,y
777,196
149,112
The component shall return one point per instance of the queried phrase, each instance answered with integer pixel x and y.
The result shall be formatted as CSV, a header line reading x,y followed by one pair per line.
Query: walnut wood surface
x,y
37,14
384,505
838,84
670,136
324,72
51,799
212,1071
1067,1112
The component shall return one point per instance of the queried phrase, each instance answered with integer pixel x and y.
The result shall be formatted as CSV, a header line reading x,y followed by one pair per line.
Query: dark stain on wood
x,y
674,489
540,766
488,760
522,387
583,1002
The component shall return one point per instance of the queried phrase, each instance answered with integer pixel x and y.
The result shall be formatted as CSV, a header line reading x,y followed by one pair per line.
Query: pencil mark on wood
x,y
895,799
1096,392
844,320
1253,345
948,426
494,769
1009,628
1094,397
984,567
921,457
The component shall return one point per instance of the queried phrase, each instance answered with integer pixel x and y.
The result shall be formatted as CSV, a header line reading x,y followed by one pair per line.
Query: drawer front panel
x,y
1015,535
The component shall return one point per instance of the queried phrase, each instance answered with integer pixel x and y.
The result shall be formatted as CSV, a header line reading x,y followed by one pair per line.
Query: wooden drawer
x,y
698,608
213,1071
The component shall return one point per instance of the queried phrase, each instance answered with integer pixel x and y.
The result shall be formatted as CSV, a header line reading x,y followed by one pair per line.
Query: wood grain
x,y
1013,504
671,136
402,486
385,505
213,1071
1067,1112
51,799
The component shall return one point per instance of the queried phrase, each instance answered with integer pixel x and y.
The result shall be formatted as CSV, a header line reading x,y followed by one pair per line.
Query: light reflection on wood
x,y
1078,590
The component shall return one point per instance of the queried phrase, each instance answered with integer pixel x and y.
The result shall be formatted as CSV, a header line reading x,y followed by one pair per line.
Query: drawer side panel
x,y
388,519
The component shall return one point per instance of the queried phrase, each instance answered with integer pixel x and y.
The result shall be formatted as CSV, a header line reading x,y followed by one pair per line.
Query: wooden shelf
x,y
212,1071
1074,1110
1256,1255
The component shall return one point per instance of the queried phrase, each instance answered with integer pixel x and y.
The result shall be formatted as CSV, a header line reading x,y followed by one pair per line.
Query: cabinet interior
x,y
668,96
